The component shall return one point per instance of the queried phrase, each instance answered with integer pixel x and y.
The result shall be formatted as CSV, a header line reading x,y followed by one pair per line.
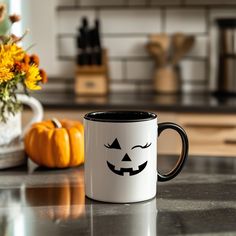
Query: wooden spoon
x,y
164,41
157,52
181,45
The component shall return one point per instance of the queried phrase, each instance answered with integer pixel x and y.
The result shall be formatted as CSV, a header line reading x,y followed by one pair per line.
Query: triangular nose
x,y
126,158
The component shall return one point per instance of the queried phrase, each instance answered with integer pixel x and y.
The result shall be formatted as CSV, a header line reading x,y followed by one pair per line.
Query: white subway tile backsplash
x,y
116,70
65,69
145,88
59,86
39,17
193,88
193,70
101,2
115,87
165,2
139,70
69,21
65,2
200,47
126,46
125,33
67,46
222,13
186,21
131,21
210,2
137,2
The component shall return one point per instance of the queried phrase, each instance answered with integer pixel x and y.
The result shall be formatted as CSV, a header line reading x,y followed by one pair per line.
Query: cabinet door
x,y
212,134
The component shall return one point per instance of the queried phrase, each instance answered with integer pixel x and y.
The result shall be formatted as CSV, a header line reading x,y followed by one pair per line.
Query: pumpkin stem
x,y
56,123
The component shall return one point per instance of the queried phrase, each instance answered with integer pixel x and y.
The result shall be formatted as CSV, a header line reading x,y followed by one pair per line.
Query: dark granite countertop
x,y
181,103
200,201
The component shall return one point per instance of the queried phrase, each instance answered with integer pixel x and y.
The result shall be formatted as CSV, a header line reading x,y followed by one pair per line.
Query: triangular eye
x,y
114,145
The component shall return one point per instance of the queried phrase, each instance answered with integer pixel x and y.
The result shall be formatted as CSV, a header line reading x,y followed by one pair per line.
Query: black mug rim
x,y
120,116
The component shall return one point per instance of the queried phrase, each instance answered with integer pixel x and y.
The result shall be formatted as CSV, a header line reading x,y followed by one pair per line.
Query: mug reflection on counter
x,y
136,219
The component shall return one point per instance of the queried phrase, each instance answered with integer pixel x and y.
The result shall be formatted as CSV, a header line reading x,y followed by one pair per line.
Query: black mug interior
x,y
120,116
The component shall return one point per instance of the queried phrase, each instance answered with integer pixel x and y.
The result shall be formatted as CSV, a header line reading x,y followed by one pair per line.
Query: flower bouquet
x,y
18,69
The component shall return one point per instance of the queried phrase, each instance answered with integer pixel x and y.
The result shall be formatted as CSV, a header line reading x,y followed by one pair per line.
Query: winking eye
x,y
140,146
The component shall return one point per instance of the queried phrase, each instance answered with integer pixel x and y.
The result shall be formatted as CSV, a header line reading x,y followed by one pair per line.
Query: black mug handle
x,y
183,157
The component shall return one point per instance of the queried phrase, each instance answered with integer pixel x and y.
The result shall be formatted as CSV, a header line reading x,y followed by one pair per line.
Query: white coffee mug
x,y
121,155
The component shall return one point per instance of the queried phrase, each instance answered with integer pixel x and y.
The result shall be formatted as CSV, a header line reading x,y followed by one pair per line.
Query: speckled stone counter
x,y
200,201
201,103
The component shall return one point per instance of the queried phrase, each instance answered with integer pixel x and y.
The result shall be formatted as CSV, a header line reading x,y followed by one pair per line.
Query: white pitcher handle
x,y
36,107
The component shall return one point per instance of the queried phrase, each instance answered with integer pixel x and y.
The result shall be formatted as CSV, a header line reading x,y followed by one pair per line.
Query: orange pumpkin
x,y
56,144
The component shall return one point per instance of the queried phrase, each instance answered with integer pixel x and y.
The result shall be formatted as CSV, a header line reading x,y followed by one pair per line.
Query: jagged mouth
x,y
127,170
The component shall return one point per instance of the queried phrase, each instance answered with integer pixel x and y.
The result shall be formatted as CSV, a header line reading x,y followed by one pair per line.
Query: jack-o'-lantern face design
x,y
126,158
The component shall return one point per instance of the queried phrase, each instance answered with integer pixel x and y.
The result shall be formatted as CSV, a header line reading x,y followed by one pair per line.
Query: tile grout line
x,y
122,7
207,63
124,69
135,59
147,3
98,14
77,3
183,3
122,35
163,19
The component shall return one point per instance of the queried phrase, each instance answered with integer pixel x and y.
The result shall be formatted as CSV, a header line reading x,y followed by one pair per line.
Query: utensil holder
x,y
93,80
167,79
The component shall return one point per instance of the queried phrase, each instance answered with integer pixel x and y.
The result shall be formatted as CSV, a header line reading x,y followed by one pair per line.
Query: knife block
x,y
92,80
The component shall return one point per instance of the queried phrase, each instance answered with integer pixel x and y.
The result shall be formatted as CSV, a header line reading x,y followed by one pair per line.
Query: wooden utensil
x,y
163,41
181,45
157,53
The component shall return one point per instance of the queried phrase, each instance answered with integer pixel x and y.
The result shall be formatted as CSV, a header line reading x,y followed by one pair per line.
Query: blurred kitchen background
x,y
174,57
125,30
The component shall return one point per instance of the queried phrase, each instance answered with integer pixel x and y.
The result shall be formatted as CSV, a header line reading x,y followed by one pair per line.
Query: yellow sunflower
x,y
15,51
32,78
6,64
5,74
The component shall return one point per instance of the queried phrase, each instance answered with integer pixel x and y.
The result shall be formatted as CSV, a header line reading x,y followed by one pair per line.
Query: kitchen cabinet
x,y
209,134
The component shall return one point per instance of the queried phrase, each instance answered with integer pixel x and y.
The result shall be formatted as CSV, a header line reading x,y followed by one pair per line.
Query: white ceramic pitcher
x,y
12,129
